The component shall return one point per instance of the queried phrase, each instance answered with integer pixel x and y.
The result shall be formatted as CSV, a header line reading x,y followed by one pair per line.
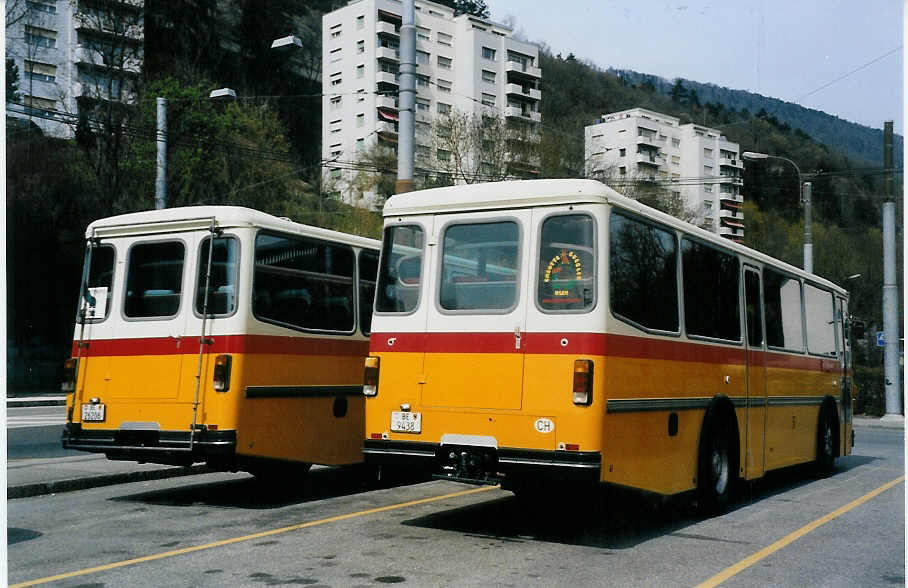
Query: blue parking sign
x,y
880,339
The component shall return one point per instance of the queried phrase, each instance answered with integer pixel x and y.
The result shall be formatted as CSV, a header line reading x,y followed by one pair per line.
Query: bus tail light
x,y
222,373
583,382
370,376
70,373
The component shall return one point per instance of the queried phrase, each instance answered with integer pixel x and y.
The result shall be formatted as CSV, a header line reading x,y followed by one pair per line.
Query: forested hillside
x,y
858,142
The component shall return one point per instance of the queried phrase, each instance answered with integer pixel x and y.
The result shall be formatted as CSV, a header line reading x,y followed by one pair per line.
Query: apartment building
x,y
71,56
694,162
463,63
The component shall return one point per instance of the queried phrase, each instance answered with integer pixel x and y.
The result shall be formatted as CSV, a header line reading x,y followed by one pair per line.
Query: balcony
x,y
388,128
386,102
733,180
516,112
388,54
649,159
731,215
524,70
386,28
88,56
518,90
736,163
387,78
102,27
648,140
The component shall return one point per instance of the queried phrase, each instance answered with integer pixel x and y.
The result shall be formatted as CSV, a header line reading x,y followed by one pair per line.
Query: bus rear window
x,y
303,283
479,268
154,279
400,273
222,281
99,288
567,263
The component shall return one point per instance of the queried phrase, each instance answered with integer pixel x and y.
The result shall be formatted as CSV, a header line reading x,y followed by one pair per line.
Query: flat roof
x,y
189,218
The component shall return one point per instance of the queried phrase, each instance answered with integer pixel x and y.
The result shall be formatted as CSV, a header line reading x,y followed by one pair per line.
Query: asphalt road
x,y
845,530
34,432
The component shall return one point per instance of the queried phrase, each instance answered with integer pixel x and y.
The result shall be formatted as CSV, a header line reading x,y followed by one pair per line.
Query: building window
x,y
676,160
443,108
443,155
622,170
360,21
488,100
422,81
36,37
445,39
422,34
336,31
360,95
422,105
422,58
336,103
360,119
444,86
41,6
39,103
488,76
334,55
708,189
622,152
676,142
707,170
444,62
488,53
360,71
360,46
707,153
360,144
336,80
42,72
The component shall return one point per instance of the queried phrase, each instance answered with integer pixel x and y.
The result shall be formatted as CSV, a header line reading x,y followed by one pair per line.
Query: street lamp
x,y
223,94
804,189
287,43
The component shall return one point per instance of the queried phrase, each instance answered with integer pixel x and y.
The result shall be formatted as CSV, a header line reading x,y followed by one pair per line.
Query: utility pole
x,y
808,233
891,375
160,184
407,106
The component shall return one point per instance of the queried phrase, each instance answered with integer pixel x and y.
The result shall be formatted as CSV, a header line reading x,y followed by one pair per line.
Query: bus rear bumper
x,y
482,465
165,447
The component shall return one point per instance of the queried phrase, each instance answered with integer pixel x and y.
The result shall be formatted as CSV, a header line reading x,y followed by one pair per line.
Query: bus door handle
x,y
517,337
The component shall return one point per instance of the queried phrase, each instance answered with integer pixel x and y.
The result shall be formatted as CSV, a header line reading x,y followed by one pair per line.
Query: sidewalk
x,y
33,477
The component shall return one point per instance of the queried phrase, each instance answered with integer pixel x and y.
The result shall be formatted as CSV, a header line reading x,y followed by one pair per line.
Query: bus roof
x,y
553,192
191,218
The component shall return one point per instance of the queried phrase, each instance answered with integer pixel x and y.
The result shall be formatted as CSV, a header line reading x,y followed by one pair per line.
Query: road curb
x,y
69,485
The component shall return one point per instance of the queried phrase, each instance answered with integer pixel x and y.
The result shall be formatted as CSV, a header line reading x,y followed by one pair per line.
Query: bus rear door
x,y
476,317
754,456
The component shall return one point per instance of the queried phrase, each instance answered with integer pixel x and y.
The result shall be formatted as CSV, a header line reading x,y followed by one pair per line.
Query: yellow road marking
x,y
175,552
770,549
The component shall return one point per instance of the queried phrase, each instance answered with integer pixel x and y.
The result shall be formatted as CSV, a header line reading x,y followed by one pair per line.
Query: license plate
x,y
406,422
93,412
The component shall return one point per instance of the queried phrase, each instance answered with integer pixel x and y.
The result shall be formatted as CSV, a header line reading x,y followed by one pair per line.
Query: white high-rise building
x,y
693,161
71,55
463,64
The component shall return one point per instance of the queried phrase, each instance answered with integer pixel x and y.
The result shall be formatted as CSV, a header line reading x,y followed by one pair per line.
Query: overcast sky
x,y
786,49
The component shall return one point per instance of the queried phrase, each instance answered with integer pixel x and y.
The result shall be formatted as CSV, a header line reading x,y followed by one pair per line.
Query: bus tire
x,y
717,470
826,441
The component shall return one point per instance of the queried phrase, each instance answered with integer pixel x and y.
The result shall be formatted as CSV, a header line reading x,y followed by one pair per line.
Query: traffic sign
x,y
881,339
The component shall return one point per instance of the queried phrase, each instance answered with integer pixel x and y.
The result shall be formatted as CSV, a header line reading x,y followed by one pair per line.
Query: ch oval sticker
x,y
544,425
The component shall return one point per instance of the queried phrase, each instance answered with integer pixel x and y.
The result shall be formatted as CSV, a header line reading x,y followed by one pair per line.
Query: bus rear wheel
x,y
717,468
826,446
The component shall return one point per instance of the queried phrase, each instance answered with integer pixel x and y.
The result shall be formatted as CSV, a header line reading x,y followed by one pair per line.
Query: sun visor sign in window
x,y
567,263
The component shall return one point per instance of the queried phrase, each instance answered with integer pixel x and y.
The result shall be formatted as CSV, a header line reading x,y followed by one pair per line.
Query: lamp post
x,y
804,189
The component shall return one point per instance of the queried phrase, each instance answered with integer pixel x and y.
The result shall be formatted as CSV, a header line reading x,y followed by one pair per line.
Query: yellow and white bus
x,y
554,330
246,354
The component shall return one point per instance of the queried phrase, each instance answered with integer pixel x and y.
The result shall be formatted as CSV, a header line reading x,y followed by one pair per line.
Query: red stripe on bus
x,y
262,344
597,344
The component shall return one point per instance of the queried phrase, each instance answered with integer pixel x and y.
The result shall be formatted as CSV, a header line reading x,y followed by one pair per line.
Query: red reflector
x,y
375,435
212,427
572,446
